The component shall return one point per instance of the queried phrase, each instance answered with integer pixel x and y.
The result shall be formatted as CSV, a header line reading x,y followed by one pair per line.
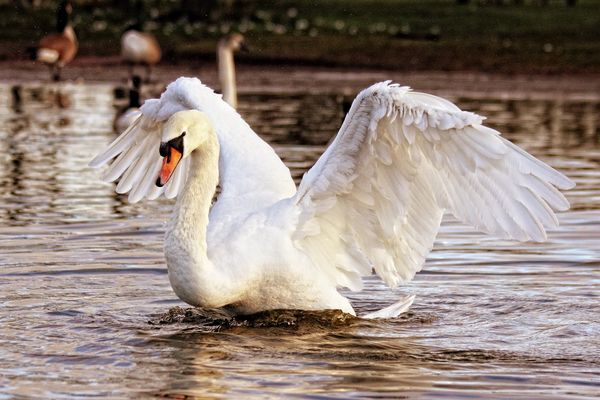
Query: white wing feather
x,y
377,195
137,161
265,179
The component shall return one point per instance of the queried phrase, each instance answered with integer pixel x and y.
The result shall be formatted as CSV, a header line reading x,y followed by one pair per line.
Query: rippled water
x,y
82,273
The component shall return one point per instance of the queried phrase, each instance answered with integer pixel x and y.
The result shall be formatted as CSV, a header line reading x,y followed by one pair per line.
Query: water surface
x,y
82,273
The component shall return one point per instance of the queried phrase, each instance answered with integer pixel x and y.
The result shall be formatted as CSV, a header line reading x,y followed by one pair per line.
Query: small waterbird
x,y
126,118
140,48
58,49
373,200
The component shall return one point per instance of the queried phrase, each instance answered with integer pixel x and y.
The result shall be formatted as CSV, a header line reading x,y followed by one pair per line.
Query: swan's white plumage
x,y
374,199
399,161
265,177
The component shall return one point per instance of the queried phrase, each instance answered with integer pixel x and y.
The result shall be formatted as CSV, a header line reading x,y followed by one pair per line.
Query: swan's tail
x,y
394,310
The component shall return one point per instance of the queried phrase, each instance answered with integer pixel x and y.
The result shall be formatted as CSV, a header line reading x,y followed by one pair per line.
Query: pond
x,y
82,273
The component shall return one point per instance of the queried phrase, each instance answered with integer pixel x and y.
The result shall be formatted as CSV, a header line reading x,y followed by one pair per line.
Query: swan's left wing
x,y
136,160
376,197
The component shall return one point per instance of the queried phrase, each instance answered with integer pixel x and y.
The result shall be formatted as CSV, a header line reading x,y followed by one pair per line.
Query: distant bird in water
x,y
140,48
132,111
58,49
225,49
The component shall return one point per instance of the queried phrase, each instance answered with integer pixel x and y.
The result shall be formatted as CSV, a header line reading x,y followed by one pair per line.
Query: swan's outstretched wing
x,y
138,161
375,198
250,172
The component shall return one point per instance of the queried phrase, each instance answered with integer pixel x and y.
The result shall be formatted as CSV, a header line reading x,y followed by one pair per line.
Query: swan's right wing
x,y
376,197
137,160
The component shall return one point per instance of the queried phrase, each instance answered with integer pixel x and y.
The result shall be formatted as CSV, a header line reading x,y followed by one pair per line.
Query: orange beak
x,y
169,164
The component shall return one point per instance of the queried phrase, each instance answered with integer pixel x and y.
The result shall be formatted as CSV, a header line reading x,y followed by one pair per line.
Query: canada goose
x,y
140,48
132,111
225,49
58,49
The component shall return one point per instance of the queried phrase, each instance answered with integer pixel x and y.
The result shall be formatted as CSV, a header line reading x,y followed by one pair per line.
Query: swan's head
x,y
235,41
183,133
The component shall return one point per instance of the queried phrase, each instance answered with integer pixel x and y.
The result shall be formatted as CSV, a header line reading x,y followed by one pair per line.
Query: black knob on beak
x,y
164,149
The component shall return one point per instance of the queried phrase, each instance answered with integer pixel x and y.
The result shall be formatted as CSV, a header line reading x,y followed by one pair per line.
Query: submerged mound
x,y
222,319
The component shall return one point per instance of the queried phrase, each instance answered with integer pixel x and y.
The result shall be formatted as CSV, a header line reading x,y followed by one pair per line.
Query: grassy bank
x,y
403,35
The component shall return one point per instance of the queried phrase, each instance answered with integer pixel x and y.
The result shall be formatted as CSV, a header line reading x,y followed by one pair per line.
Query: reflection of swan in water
x,y
374,199
225,49
205,368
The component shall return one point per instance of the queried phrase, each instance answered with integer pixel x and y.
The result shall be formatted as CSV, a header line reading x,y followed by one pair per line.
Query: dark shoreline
x,y
300,78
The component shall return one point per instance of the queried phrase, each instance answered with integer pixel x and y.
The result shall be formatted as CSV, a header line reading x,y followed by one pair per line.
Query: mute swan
x,y
132,111
225,49
58,49
374,199
140,48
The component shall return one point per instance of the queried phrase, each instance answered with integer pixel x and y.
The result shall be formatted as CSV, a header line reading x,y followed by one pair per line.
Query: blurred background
x,y
539,36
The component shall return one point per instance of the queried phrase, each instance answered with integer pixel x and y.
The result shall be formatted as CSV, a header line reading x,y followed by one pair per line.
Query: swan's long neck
x,y
227,74
191,273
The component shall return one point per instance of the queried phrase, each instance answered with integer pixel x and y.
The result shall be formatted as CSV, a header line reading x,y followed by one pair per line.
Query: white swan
x,y
374,199
225,49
